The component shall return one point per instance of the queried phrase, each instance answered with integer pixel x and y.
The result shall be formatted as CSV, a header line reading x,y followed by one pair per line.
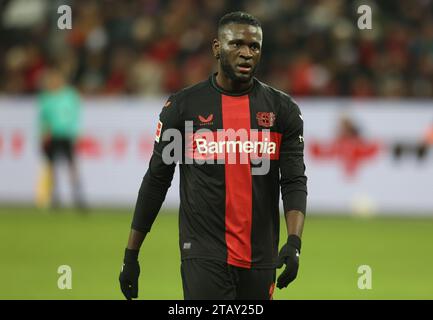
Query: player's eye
x,y
255,47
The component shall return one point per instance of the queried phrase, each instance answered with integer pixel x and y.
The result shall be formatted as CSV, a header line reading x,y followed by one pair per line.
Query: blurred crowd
x,y
154,47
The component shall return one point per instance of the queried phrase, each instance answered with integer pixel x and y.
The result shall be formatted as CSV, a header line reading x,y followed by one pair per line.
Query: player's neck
x,y
230,85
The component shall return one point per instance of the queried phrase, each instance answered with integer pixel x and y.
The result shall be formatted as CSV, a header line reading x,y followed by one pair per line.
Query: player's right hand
x,y
129,274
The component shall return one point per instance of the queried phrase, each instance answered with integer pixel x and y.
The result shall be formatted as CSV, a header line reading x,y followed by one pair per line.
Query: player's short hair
x,y
238,17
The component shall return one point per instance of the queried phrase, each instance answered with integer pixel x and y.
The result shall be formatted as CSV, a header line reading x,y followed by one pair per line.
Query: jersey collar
x,y
214,84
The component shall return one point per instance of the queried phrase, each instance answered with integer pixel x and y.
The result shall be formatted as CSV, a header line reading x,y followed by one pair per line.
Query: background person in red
x,y
229,218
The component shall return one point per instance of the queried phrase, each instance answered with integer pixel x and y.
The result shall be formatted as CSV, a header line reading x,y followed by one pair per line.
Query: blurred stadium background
x,y
367,102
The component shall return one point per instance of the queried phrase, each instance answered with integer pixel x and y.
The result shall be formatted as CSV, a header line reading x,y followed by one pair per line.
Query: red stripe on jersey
x,y
238,217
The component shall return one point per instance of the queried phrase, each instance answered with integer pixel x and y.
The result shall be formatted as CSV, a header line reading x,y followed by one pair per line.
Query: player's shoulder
x,y
179,102
283,99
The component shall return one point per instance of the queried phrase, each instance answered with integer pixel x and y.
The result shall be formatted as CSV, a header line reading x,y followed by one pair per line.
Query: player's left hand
x,y
289,255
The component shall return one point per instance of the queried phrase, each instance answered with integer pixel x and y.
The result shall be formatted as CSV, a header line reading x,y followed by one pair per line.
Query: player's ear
x,y
216,48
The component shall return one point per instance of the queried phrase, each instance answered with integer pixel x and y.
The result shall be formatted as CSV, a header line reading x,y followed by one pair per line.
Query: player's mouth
x,y
244,67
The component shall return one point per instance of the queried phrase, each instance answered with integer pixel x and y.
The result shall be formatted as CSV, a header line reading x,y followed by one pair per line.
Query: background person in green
x,y
59,114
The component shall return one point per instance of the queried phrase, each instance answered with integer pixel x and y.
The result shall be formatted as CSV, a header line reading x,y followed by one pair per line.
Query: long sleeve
x,y
293,180
159,175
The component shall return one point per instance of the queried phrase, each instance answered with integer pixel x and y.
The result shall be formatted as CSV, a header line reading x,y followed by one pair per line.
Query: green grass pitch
x,y
33,244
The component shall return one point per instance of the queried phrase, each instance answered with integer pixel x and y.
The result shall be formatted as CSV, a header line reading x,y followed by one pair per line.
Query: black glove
x,y
129,274
289,255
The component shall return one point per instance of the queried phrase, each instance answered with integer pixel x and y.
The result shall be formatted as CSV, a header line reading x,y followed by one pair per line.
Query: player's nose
x,y
245,52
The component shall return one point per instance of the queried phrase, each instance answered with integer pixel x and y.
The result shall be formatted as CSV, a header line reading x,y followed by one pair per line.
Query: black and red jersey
x,y
227,211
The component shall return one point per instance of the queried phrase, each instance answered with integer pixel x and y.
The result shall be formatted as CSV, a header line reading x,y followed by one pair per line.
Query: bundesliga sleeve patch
x,y
158,131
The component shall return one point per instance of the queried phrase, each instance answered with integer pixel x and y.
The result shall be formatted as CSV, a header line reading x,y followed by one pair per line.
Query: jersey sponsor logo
x,y
265,119
212,147
226,144
158,131
207,120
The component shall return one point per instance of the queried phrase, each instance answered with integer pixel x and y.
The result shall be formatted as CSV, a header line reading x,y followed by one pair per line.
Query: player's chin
x,y
243,77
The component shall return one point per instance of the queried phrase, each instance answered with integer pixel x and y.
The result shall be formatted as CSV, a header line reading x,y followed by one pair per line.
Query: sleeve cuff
x,y
295,200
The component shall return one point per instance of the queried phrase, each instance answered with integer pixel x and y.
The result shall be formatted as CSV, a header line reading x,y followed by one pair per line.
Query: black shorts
x,y
216,280
55,149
